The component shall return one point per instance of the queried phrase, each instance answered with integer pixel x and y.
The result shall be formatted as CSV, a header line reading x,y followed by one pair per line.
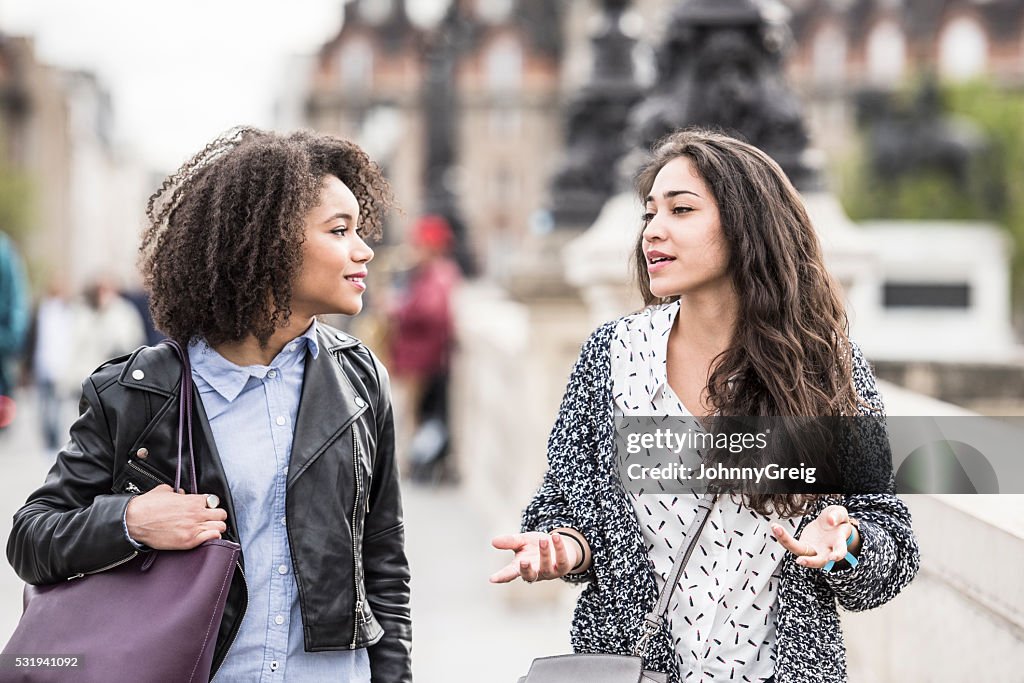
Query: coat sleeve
x,y
73,523
384,561
889,555
572,447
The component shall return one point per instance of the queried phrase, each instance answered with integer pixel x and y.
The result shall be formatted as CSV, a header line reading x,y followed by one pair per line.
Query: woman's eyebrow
x,y
337,216
672,193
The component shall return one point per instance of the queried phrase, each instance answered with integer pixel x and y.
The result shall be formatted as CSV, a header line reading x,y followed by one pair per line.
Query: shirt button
x,y
278,620
273,665
280,420
283,569
272,374
284,520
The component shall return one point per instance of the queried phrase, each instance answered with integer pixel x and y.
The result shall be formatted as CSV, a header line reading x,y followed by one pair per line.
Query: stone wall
x,y
962,619
987,388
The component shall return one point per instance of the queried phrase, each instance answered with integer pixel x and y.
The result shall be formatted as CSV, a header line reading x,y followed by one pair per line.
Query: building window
x,y
828,55
963,50
886,50
503,65
505,188
356,65
376,12
926,295
494,11
505,121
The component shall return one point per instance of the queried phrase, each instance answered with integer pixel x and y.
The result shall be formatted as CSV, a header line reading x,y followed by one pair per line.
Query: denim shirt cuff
x,y
124,522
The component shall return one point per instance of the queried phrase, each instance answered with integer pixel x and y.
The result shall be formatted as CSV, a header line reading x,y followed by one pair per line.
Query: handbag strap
x,y
184,415
655,619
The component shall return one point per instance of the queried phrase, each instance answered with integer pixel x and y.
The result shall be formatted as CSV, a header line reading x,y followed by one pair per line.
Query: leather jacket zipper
x,y
355,553
241,615
132,487
137,468
103,569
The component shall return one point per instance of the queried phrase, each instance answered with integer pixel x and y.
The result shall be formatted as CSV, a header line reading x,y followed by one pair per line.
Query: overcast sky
x,y
179,72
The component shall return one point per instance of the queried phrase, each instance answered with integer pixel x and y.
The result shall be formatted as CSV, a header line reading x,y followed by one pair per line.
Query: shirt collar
x,y
656,351
228,379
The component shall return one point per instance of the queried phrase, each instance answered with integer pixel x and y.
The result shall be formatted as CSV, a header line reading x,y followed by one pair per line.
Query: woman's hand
x,y
822,540
165,520
538,556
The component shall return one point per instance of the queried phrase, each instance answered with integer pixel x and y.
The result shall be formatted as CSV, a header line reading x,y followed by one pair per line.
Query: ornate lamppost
x,y
596,117
444,43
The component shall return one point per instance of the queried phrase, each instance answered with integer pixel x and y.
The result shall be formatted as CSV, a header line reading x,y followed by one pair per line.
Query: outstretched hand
x,y
823,540
538,556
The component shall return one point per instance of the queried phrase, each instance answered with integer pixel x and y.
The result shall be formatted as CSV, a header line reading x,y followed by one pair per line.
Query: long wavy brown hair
x,y
790,353
224,238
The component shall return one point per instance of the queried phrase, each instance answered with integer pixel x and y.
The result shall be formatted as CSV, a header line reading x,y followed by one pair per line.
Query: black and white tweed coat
x,y
582,490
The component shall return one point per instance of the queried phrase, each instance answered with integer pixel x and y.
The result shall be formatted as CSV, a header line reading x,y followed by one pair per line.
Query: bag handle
x,y
184,415
655,619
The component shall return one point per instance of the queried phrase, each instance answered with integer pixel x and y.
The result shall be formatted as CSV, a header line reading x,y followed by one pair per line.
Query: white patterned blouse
x,y
722,614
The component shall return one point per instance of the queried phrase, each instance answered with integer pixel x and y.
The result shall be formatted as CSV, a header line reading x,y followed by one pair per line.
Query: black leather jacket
x,y
342,494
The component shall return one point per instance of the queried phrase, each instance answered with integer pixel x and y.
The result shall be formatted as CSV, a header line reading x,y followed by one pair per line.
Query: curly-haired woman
x,y
742,319
247,244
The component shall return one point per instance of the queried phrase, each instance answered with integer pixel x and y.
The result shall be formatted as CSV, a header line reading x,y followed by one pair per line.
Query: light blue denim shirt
x,y
252,414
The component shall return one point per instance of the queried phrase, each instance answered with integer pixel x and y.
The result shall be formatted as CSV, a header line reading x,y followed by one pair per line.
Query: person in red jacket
x,y
422,341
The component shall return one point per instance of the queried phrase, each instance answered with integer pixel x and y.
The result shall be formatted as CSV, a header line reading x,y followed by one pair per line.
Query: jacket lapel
x,y
212,476
328,405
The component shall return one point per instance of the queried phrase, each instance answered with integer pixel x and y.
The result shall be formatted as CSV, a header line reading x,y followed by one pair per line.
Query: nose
x,y
653,231
362,253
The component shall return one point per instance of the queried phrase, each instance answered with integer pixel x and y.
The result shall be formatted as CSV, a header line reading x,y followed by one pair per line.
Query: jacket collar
x,y
327,406
157,369
329,403
229,379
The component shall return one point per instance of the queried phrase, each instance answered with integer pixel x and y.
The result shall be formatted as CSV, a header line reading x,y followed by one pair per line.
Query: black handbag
x,y
609,668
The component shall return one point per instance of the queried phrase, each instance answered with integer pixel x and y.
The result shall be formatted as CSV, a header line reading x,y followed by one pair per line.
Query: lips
x,y
357,280
656,260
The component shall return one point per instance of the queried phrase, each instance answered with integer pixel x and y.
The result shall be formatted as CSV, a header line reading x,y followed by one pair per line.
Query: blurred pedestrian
x,y
50,340
247,243
14,322
139,298
104,325
422,339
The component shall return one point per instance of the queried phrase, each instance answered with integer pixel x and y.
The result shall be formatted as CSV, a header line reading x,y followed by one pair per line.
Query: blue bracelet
x,y
849,556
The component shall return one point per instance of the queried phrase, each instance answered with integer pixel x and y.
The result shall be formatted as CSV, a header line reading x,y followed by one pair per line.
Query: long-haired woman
x,y
741,319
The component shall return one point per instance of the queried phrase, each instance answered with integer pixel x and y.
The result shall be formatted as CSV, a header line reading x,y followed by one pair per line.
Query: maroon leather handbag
x,y
152,618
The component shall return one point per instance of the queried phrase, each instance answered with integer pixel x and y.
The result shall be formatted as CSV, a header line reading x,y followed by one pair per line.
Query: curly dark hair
x,y
223,243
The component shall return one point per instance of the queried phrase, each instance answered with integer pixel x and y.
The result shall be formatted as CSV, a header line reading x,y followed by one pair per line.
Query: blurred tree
x,y
994,188
15,203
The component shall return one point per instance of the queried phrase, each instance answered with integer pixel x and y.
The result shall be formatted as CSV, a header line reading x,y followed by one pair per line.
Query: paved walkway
x,y
465,629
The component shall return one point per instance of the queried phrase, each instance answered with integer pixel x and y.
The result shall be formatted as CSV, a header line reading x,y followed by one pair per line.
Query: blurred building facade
x,y
845,48
85,196
367,85
879,43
